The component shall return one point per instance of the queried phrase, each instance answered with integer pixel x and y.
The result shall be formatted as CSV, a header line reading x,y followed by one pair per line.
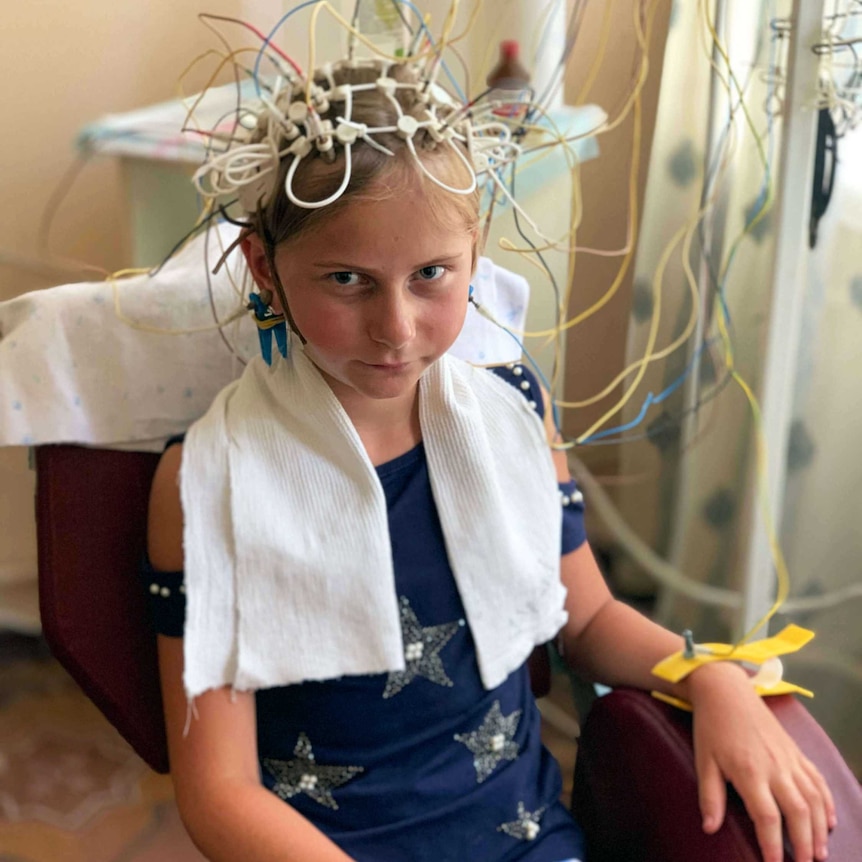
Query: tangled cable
x,y
284,123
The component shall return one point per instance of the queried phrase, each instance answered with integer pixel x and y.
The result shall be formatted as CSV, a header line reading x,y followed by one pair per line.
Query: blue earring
x,y
470,295
268,324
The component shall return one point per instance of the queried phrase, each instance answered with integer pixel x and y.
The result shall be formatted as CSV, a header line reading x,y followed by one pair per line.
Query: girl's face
x,y
379,290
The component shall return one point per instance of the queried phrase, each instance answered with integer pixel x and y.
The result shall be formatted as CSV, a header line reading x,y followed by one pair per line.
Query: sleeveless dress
x,y
424,763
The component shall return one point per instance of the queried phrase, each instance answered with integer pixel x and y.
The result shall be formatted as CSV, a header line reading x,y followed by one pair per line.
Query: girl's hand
x,y
738,739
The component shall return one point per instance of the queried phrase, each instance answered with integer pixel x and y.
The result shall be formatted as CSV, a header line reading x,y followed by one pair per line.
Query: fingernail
x,y
823,853
708,823
833,821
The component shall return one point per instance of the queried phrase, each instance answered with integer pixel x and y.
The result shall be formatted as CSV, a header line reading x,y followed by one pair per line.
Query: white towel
x,y
72,372
288,560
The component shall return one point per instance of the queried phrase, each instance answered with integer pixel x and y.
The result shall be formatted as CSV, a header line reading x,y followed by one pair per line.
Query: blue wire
x,y
652,399
296,9
423,26
720,286
269,38
538,371
760,200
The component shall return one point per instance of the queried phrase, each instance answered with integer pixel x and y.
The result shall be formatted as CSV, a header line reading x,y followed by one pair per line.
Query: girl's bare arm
x,y
228,813
736,736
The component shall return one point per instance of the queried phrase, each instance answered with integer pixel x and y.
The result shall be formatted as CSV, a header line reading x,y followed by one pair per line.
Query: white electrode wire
x,y
669,576
412,148
662,571
448,25
508,195
361,128
465,191
314,205
288,126
243,165
372,143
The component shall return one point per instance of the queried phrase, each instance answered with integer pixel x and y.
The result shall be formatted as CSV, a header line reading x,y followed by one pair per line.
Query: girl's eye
x,y
346,279
430,273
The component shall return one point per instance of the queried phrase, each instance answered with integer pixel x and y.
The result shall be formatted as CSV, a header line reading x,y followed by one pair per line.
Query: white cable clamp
x,y
297,112
387,85
407,126
301,147
347,133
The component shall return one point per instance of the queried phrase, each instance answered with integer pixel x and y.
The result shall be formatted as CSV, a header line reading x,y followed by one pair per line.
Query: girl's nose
x,y
392,321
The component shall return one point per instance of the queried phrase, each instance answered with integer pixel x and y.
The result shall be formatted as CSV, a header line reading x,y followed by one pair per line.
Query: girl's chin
x,y
375,382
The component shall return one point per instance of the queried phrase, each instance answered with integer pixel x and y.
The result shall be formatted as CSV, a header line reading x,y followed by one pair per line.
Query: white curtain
x,y
823,505
687,473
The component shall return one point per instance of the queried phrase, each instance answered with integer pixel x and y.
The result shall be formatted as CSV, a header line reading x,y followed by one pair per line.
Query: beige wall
x,y
63,65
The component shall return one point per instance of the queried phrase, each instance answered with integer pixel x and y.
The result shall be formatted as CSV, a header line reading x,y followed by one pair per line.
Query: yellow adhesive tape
x,y
790,639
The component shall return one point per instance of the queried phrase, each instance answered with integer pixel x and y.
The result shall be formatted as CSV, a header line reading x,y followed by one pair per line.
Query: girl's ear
x,y
258,265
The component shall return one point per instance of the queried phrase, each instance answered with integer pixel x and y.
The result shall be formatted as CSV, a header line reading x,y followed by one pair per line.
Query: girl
x,y
369,534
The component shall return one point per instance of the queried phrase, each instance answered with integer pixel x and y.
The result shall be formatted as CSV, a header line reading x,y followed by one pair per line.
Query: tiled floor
x,y
71,790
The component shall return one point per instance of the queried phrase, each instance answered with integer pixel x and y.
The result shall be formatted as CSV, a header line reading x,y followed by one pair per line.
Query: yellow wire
x,y
642,38
226,58
690,280
449,22
650,355
643,41
768,199
312,39
600,55
653,331
114,279
572,160
576,209
577,198
633,211
556,332
761,445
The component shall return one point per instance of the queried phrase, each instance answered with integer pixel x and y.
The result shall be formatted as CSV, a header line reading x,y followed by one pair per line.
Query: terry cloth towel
x,y
282,587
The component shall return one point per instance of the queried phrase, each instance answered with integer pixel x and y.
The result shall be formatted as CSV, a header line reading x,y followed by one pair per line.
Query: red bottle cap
x,y
510,48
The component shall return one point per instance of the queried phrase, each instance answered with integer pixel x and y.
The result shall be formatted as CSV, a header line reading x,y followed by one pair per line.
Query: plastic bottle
x,y
509,81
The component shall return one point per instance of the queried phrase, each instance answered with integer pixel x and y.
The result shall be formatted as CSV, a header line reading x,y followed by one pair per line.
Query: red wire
x,y
256,33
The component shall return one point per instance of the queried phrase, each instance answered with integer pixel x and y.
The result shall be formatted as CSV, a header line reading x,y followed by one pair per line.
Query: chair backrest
x,y
91,513
91,518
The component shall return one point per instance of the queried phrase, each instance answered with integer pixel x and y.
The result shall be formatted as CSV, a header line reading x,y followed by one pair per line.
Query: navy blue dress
x,y
424,763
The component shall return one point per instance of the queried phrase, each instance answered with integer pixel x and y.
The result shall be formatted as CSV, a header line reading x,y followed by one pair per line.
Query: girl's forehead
x,y
386,215
374,232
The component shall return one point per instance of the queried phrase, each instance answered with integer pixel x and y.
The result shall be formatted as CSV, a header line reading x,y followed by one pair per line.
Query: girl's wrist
x,y
709,679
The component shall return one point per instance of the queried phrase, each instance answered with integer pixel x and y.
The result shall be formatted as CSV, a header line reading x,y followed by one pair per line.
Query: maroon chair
x,y
91,516
635,790
634,786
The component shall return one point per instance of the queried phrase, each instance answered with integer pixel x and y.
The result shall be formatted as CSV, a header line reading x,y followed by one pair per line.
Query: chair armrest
x,y
635,787
539,664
